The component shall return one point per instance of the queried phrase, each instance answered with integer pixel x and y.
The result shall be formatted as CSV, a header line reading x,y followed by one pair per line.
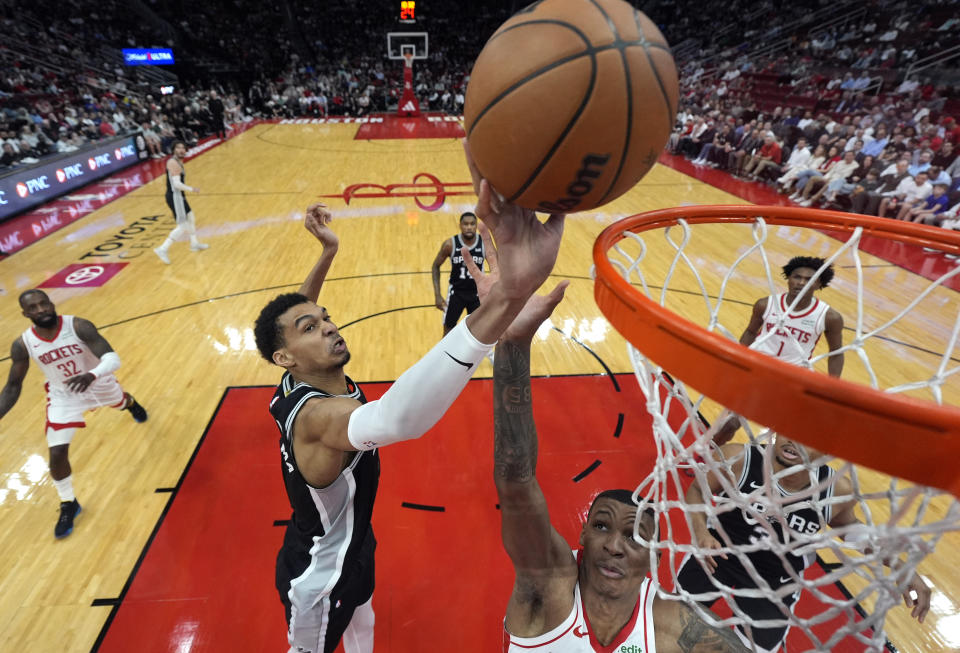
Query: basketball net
x,y
901,522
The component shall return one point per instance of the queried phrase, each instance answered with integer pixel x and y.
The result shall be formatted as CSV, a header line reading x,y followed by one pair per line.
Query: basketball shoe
x,y
68,510
139,412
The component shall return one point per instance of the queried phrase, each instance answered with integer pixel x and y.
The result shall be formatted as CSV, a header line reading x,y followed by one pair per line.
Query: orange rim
x,y
905,437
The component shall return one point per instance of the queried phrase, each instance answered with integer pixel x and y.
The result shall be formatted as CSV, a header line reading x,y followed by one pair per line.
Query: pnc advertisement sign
x,y
148,56
25,188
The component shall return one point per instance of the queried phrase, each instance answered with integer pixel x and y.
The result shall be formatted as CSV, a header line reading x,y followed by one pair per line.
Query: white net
x,y
783,573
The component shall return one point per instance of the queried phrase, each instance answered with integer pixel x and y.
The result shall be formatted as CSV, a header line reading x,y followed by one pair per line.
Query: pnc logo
x,y
98,161
22,190
70,172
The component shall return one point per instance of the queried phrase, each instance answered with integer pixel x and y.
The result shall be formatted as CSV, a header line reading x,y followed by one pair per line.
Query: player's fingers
x,y
555,296
475,175
555,223
472,268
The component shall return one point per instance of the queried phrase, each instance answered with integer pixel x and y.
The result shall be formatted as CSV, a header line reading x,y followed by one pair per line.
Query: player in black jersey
x,y
462,291
803,515
329,434
186,220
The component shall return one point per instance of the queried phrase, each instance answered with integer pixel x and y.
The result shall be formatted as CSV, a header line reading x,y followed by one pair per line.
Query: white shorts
x,y
65,409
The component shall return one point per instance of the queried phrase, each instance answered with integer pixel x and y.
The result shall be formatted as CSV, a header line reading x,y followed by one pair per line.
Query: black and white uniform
x,y
462,293
325,567
801,516
176,200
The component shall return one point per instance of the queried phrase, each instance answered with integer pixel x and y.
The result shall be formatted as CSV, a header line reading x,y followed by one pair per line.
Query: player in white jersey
x,y
600,599
186,220
789,325
79,364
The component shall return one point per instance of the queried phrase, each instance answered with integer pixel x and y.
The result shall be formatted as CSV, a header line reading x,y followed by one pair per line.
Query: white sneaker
x,y
199,247
806,202
162,255
794,197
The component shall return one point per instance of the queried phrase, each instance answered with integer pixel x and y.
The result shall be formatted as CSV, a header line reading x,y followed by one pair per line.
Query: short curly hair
x,y
811,262
267,330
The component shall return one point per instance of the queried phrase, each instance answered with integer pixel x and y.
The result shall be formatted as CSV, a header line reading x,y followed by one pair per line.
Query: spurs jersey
x,y
329,536
62,357
795,339
175,199
575,635
460,279
804,516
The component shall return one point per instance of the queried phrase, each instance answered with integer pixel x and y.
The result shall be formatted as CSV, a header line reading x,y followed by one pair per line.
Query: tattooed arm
x,y
546,571
680,630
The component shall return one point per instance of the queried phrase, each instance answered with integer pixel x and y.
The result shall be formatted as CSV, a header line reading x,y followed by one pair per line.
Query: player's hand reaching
x,y
80,382
707,541
537,309
317,222
527,247
920,605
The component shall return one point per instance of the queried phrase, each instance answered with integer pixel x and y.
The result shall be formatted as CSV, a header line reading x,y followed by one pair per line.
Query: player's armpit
x,y
680,630
89,334
320,440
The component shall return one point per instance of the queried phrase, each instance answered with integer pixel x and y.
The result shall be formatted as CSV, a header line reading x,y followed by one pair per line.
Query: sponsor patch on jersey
x,y
83,275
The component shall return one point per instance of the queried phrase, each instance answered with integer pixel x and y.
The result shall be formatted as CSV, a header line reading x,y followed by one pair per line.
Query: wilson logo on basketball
x,y
590,170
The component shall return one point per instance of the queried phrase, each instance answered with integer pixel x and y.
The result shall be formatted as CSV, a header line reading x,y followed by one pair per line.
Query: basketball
x,y
570,103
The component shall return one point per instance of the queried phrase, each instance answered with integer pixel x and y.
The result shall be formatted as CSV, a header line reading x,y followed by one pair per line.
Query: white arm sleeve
x,y
109,362
177,182
419,398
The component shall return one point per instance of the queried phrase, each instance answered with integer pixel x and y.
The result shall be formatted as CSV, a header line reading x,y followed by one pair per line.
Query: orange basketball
x,y
570,103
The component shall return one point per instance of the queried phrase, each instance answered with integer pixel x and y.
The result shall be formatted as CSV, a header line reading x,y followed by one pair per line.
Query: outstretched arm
x,y
18,370
541,557
845,515
833,329
317,222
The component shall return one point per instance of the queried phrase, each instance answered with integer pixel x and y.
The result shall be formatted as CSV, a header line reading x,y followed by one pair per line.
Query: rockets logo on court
x,y
427,191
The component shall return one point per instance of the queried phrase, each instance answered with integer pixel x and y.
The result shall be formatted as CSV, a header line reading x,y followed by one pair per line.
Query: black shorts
x,y
730,572
330,613
456,303
186,206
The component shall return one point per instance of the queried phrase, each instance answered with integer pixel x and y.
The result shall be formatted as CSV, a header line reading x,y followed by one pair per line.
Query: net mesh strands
x,y
900,522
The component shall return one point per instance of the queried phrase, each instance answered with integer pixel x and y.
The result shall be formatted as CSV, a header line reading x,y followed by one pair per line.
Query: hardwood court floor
x,y
184,334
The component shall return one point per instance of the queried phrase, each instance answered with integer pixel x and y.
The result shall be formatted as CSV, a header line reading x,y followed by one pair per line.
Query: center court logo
x,y
425,188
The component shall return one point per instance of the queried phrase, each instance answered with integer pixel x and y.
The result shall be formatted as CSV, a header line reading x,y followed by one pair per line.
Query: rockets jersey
x,y
793,341
575,635
62,357
460,279
329,524
805,516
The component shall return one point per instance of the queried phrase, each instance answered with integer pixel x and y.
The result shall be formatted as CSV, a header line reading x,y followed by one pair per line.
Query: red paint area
x,y
206,582
83,275
929,265
392,127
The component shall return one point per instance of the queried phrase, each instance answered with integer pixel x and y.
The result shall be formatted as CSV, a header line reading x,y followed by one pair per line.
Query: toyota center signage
x,y
25,188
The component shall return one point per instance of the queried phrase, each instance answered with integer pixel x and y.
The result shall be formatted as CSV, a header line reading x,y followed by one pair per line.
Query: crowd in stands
x,y
808,96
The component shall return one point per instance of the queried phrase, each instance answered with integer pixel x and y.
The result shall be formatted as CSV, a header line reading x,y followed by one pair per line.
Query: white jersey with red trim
x,y
62,357
575,635
794,339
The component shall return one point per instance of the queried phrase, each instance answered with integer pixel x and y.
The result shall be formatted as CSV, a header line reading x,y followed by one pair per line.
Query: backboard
x,y
400,43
